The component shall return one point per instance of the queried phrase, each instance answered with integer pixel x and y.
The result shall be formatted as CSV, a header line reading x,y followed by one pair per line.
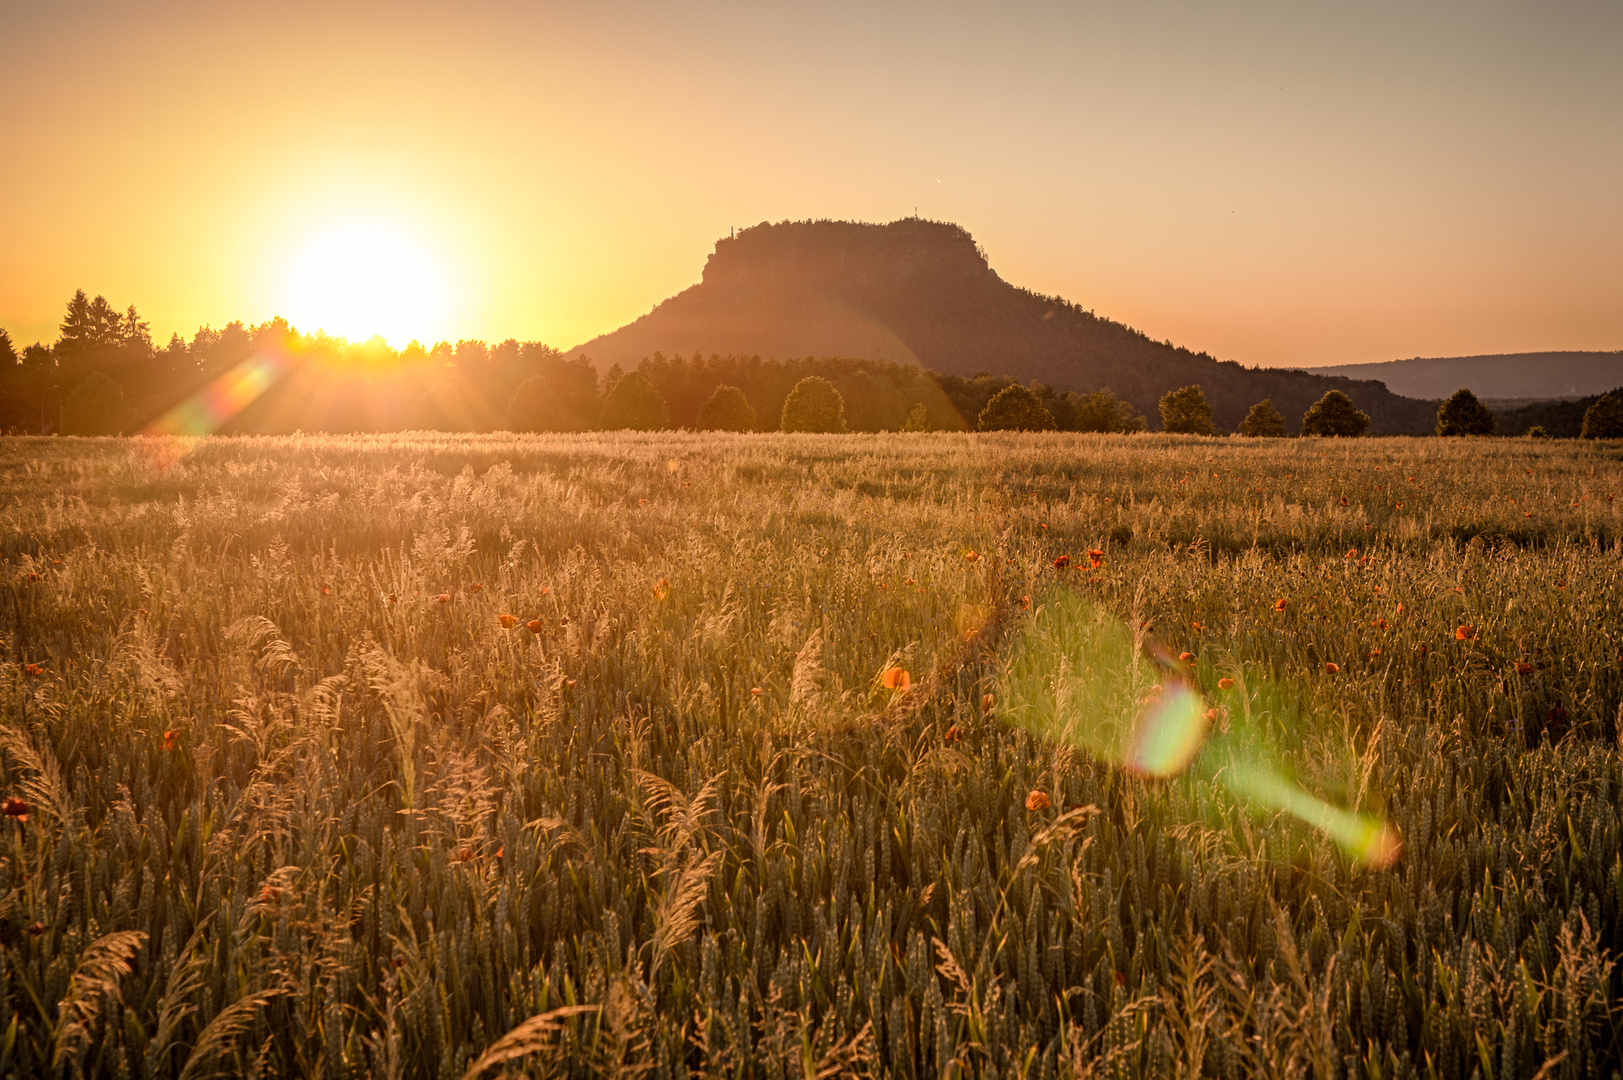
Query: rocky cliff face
x,y
923,292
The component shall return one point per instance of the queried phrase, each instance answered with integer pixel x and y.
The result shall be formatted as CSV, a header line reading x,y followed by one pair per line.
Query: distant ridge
x,y
1505,375
922,292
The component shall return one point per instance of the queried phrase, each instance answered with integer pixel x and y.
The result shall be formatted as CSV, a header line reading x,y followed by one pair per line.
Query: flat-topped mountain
x,y
917,291
1505,375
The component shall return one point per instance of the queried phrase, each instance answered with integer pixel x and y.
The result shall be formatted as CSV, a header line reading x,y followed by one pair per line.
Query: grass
x,y
298,803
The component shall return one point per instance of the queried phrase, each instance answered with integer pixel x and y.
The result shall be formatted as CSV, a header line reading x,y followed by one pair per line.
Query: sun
x,y
359,278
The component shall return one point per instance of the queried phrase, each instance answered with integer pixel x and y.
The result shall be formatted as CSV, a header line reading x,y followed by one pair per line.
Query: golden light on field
x,y
358,278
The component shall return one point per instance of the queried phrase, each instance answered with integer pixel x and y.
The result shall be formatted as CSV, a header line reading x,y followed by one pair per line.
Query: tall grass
x,y
298,803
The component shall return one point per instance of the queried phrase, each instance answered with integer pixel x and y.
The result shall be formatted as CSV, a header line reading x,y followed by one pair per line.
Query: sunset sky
x,y
1275,183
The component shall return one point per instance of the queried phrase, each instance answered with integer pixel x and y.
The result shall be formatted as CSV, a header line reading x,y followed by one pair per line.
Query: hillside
x,y
917,291
1506,375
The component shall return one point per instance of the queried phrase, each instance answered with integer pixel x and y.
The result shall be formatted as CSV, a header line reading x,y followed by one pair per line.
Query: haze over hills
x,y
1506,375
917,291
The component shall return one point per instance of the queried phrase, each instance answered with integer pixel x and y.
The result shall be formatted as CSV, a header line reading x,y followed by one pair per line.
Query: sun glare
x,y
356,279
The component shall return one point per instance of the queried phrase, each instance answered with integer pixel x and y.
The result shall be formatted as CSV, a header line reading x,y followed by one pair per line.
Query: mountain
x,y
1505,375
922,292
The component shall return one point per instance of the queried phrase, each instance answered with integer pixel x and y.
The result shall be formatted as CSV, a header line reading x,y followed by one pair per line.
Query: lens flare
x,y
1080,676
211,407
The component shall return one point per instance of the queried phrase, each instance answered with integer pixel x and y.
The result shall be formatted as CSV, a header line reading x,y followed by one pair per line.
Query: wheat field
x,y
286,794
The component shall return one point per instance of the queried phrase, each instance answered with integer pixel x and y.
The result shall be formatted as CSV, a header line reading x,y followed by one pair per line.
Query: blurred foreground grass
x,y
298,803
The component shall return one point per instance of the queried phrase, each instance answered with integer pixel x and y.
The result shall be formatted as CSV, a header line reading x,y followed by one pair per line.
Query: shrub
x,y
1604,419
1185,412
814,405
1537,432
1103,411
1463,414
94,407
1263,421
1015,408
727,409
1335,415
636,404
918,419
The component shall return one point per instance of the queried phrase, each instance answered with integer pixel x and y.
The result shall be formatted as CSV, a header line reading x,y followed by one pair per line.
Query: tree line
x,y
105,375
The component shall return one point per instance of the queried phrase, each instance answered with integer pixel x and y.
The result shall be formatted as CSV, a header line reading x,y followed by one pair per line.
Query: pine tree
x,y
1015,408
78,327
1335,415
814,405
1463,414
1263,421
1185,412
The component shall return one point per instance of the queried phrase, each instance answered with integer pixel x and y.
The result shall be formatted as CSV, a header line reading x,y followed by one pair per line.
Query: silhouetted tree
x,y
1015,408
1335,415
1463,414
1263,421
1102,411
726,409
94,407
634,403
1185,412
918,419
1604,419
814,405
8,351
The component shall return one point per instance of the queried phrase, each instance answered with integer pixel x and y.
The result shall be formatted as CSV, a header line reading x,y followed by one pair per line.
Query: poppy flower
x,y
1561,584
1198,627
1399,506
1096,558
1025,602
33,576
1186,657
662,589
896,678
1465,633
1225,683
476,587
1211,715
171,740
756,691
1379,624
326,590
507,621
972,556
16,808
569,683
1373,653
1352,553
445,598
1344,500
1062,562
1038,800
36,929
953,734
1523,668
34,669
986,703
534,626
1332,668
1279,605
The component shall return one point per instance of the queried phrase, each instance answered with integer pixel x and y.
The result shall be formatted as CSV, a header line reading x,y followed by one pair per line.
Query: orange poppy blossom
x,y
34,669
1379,624
171,740
896,678
1523,668
1096,558
1465,633
986,703
1062,562
16,809
953,734
1225,683
570,683
1332,668
1025,602
972,556
476,587
1186,657
507,621
533,626
755,691
1279,605
1199,628
1038,800
33,576
444,598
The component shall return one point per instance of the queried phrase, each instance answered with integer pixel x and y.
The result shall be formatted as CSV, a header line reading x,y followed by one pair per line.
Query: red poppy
x,y
16,808
1038,800
1211,715
1062,562
1465,633
1332,668
953,734
896,678
1379,624
34,669
534,626
476,587
1352,553
33,576
570,683
1225,683
986,703
1279,605
1186,657
1523,668
1198,627
171,740
326,590
1096,558
445,598
755,690
1025,602
972,556
507,621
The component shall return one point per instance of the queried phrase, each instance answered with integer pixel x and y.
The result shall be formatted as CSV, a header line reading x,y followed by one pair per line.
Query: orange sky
x,y
1279,184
